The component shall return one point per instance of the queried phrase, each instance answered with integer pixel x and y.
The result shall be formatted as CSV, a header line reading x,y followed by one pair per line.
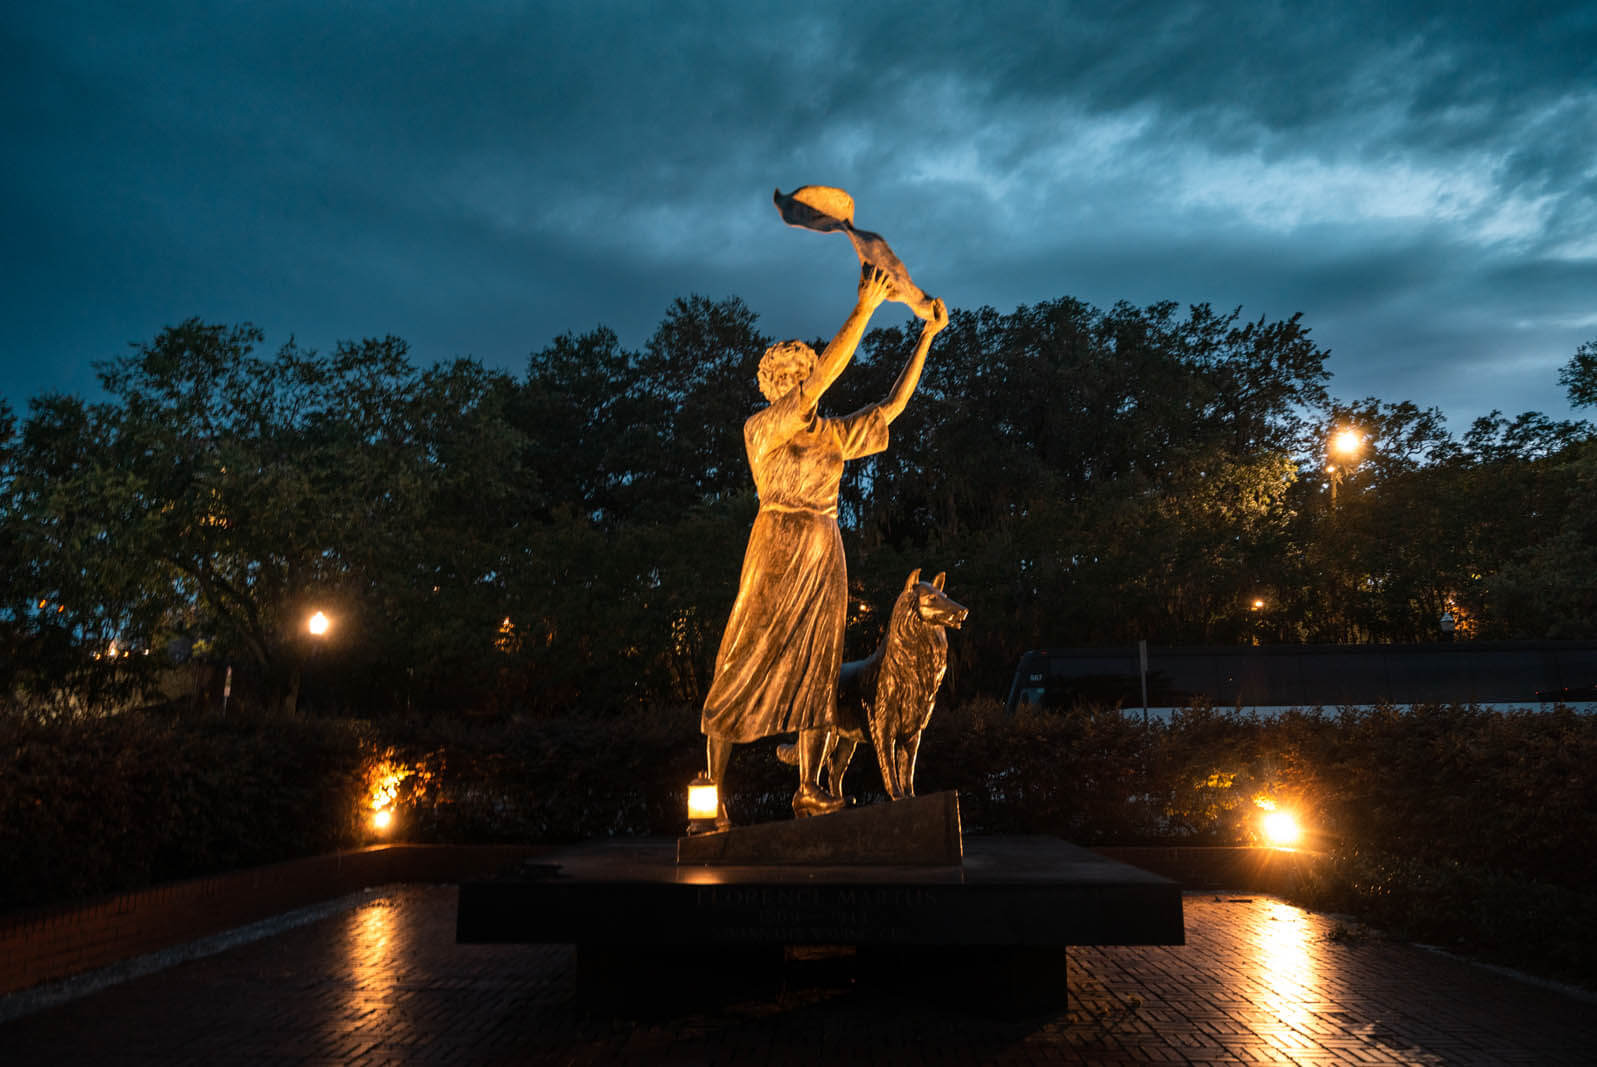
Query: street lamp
x,y
1345,444
318,626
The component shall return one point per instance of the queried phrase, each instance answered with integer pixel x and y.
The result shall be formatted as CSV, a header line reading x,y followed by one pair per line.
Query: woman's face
x,y
784,380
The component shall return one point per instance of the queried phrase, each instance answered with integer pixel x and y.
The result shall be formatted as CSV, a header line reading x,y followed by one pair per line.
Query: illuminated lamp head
x,y
784,366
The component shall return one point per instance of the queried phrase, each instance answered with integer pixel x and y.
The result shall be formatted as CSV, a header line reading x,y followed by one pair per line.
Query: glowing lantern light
x,y
383,818
319,624
1347,442
703,799
704,805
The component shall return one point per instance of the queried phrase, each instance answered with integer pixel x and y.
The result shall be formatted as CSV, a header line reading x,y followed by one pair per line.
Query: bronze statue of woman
x,y
776,671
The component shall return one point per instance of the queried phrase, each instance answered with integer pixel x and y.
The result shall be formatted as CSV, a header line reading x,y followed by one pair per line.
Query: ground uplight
x,y
1281,829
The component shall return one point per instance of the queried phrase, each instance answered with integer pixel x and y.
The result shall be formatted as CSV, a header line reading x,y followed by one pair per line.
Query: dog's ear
x,y
937,582
914,576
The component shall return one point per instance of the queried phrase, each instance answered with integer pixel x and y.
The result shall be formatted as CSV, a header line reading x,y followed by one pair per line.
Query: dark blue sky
x,y
1420,181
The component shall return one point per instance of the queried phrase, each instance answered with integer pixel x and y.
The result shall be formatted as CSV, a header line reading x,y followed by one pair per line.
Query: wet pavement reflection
x,y
1259,981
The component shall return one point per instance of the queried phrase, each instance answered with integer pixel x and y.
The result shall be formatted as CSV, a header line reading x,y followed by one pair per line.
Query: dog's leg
x,y
906,763
882,741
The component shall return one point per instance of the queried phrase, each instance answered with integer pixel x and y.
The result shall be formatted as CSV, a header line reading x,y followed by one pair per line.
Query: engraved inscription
x,y
815,914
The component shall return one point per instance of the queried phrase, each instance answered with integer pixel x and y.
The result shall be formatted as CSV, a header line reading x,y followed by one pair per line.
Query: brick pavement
x,y
1259,981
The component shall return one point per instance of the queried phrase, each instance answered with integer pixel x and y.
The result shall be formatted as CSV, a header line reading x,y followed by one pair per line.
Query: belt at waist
x,y
791,509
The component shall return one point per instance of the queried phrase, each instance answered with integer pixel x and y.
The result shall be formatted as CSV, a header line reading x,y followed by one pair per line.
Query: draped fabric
x,y
828,210
776,671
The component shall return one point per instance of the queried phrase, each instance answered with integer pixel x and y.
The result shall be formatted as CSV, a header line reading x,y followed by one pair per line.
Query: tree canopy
x,y
571,537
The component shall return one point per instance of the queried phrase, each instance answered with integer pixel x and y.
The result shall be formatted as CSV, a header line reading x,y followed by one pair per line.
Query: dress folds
x,y
776,671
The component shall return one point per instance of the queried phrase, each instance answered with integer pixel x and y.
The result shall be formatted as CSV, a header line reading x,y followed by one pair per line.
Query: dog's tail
x,y
787,753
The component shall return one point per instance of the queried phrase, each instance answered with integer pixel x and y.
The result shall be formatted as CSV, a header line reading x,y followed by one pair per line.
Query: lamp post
x,y
318,625
1345,444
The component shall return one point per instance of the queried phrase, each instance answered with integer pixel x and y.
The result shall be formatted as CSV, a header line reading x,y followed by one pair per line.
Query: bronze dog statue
x,y
887,700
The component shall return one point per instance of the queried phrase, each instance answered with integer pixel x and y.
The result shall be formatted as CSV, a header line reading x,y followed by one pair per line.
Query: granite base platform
x,y
1007,913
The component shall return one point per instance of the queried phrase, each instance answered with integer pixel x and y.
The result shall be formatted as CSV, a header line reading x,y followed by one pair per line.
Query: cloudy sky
x,y
1419,180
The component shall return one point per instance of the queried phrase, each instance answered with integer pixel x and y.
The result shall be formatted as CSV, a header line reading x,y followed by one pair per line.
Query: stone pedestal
x,y
991,926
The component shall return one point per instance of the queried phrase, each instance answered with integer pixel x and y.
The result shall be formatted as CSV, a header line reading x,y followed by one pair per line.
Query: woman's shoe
x,y
812,800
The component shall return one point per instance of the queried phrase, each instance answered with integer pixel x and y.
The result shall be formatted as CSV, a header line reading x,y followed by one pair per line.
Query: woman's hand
x,y
938,321
874,285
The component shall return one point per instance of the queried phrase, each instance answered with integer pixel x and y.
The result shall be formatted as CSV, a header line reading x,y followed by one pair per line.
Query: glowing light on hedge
x,y
385,776
385,781
318,624
507,640
1281,829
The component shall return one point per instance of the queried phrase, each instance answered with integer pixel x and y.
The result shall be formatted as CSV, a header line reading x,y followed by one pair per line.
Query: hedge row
x,y
1449,823
95,805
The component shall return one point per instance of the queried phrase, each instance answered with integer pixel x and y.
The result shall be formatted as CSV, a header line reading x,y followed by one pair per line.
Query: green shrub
x,y
1495,914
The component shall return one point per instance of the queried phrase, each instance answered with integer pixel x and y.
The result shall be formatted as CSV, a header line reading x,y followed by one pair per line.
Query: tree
x,y
696,382
1579,376
220,497
1089,476
576,409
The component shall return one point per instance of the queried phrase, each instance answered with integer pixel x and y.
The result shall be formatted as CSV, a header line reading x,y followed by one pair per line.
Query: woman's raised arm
x,y
909,377
873,287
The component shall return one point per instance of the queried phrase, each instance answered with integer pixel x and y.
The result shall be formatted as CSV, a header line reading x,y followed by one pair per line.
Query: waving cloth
x,y
823,208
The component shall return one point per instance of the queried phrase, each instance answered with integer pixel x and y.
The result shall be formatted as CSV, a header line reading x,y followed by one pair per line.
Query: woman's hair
x,y
782,358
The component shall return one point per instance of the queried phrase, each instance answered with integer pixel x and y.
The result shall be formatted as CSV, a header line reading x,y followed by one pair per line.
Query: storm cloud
x,y
1420,181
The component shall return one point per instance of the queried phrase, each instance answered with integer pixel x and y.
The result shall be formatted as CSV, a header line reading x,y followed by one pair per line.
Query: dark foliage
x,y
92,805
570,539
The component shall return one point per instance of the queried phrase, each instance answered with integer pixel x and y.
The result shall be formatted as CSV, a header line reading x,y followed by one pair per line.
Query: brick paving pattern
x,y
1259,982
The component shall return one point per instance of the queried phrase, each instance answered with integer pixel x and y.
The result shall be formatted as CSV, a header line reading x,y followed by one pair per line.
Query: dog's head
x,y
933,605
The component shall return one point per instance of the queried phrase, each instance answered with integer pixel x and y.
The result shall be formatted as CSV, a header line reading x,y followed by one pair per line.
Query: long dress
x,y
776,671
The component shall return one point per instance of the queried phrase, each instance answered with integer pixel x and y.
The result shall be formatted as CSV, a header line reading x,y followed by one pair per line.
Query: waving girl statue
x,y
777,668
